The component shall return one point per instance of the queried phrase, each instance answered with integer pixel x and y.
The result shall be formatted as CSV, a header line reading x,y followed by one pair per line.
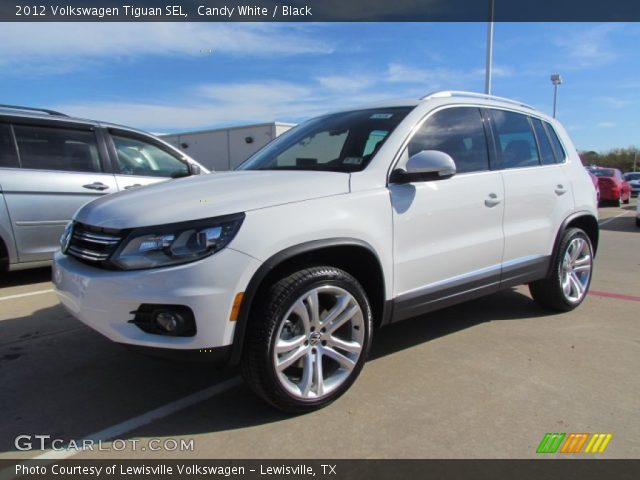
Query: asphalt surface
x,y
485,379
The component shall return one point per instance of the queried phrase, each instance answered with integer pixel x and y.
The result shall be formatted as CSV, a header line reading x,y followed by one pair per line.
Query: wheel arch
x,y
587,222
355,256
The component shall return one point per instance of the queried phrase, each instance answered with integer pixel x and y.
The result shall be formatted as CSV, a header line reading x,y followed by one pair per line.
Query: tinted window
x,y
546,151
136,157
603,172
340,142
515,139
8,155
458,132
555,141
46,148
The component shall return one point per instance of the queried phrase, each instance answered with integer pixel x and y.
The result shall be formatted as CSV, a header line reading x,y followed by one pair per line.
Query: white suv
x,y
348,222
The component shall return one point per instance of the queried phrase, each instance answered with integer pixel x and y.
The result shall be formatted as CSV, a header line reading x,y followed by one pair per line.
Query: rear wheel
x,y
308,339
569,282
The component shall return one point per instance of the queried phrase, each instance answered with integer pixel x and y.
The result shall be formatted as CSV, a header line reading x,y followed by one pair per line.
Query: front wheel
x,y
569,282
308,339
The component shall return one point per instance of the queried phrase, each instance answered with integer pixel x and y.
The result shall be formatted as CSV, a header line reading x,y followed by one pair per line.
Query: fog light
x,y
173,320
168,321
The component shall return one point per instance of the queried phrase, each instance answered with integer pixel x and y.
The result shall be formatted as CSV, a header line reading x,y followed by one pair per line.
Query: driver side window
x,y
458,132
135,157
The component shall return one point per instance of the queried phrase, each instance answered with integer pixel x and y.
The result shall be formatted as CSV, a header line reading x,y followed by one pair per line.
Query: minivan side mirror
x,y
425,165
194,169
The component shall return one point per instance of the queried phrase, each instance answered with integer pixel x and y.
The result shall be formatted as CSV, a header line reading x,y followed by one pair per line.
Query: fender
x,y
574,216
273,262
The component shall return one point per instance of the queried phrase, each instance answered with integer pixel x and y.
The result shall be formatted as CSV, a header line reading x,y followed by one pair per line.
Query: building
x,y
226,148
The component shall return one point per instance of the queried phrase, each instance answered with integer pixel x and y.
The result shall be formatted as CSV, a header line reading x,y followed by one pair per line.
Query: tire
x,y
626,202
290,344
637,222
573,268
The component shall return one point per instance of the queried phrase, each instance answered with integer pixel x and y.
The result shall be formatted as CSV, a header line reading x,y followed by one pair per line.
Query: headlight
x,y
177,243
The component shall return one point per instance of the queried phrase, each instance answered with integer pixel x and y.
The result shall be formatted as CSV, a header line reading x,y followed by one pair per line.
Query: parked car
x,y
350,221
634,182
51,164
638,215
596,185
613,188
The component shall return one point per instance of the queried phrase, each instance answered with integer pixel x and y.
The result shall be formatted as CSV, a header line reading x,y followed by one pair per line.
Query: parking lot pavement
x,y
483,379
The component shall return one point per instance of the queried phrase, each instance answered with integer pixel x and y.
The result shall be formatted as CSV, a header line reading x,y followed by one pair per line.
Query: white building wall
x,y
225,149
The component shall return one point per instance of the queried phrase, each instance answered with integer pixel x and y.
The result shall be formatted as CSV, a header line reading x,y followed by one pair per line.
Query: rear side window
x,y
457,131
67,150
546,151
557,145
515,139
8,155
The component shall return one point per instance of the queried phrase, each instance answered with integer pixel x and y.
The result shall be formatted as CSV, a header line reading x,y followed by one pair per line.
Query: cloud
x,y
606,124
63,47
614,102
346,82
589,47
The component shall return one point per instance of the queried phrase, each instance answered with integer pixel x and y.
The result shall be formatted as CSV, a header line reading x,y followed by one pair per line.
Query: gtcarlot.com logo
x,y
574,442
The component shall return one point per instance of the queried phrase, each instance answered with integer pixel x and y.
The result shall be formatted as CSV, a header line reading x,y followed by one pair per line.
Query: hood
x,y
211,195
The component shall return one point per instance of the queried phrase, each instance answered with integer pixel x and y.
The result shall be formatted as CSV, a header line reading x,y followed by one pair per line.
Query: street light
x,y
556,79
487,76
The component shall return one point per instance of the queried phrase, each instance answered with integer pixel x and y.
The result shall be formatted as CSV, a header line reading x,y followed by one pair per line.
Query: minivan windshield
x,y
339,142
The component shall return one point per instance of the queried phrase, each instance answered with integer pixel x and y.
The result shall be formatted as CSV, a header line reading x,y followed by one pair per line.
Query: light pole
x,y
556,79
487,77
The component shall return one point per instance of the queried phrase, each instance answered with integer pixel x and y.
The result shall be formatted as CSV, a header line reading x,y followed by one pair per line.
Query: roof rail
x,y
455,93
31,109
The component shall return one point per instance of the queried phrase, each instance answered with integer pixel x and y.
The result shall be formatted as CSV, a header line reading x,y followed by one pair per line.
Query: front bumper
x,y
104,299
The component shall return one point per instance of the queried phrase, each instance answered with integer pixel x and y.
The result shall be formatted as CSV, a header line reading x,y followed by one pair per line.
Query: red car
x,y
594,180
613,187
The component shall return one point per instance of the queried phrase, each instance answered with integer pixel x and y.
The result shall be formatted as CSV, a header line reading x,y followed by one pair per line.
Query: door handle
x,y
132,186
492,201
96,186
560,190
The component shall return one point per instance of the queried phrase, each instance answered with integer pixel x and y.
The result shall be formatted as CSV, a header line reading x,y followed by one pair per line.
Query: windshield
x,y
340,142
603,172
632,176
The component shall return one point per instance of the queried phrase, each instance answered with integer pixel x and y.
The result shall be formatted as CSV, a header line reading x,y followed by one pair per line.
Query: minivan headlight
x,y
152,247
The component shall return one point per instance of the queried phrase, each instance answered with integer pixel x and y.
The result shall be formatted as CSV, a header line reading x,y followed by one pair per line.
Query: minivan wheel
x,y
569,283
308,339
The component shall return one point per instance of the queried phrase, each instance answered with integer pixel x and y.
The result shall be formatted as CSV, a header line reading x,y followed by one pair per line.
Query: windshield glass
x,y
340,142
632,176
603,172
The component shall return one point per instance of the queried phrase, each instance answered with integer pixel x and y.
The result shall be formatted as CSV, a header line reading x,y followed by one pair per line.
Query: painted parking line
x,y
604,222
134,423
617,296
22,295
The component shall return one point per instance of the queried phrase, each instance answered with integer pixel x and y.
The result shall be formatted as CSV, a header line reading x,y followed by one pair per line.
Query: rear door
x,y
60,168
142,160
538,194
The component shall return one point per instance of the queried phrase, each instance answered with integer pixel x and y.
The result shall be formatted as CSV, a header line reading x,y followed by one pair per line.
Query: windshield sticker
x,y
381,116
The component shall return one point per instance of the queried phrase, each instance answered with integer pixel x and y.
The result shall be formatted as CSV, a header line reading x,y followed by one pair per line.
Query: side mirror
x,y
425,165
194,169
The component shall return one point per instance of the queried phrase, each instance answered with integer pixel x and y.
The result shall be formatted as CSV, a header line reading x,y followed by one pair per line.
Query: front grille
x,y
93,245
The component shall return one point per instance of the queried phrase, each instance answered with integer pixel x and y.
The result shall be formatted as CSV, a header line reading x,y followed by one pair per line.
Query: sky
x,y
171,77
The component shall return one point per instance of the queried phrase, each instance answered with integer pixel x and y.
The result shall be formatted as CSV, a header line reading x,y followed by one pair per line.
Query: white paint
x,y
604,222
29,294
134,423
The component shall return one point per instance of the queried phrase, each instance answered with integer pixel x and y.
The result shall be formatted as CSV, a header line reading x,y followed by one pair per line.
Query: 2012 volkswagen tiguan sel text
x,y
347,223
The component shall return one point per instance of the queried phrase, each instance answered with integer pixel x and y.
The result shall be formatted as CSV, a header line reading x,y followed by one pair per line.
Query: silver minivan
x,y
52,164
